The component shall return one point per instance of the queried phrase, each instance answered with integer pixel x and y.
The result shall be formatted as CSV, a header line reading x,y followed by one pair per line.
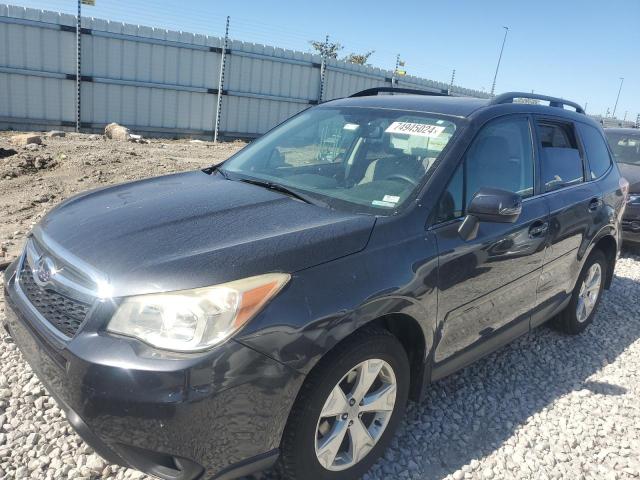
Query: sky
x,y
575,49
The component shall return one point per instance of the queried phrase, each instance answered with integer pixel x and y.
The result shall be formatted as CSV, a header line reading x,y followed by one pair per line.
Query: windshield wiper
x,y
217,168
282,189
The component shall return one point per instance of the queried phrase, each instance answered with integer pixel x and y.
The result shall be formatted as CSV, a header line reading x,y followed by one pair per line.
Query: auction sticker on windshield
x,y
418,129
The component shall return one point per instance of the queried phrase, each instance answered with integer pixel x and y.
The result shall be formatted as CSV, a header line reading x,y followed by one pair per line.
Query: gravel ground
x,y
547,406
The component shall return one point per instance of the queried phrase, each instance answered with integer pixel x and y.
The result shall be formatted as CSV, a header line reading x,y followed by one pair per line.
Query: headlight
x,y
194,320
633,198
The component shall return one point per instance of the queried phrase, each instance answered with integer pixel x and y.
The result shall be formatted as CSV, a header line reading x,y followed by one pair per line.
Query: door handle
x,y
594,204
538,229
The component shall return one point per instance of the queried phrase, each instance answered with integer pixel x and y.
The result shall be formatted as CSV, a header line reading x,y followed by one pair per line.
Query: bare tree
x,y
326,49
359,58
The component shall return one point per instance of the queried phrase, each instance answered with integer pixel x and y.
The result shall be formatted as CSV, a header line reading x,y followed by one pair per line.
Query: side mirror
x,y
490,205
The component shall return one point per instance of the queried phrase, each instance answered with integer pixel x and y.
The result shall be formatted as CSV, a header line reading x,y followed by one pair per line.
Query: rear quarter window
x,y
596,149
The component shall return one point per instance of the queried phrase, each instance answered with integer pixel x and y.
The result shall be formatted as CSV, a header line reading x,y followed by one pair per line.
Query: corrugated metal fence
x,y
157,81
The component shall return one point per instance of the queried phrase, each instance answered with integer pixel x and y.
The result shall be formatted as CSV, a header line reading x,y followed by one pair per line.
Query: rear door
x,y
575,206
487,286
603,170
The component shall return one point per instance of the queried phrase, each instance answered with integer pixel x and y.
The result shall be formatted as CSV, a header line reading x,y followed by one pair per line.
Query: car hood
x,y
632,174
194,229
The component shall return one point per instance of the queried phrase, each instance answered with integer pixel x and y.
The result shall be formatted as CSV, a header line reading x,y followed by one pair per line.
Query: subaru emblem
x,y
45,270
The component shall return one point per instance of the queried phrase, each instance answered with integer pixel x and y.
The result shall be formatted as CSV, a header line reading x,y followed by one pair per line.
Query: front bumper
x,y
631,224
220,414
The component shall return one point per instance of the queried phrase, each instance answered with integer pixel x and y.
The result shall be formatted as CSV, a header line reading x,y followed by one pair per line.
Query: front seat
x,y
397,163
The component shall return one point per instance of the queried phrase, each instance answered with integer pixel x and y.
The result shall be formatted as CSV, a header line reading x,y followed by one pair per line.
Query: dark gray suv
x,y
283,307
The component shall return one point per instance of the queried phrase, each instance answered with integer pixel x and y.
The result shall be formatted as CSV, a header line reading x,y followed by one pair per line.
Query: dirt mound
x,y
26,163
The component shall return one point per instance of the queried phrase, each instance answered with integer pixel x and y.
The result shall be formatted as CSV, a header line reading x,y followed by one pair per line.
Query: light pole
x,y
504,40
618,97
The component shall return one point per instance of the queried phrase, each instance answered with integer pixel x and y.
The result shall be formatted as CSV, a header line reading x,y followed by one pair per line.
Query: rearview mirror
x,y
490,205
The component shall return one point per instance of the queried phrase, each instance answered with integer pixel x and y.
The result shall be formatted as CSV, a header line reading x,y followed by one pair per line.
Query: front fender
x,y
324,305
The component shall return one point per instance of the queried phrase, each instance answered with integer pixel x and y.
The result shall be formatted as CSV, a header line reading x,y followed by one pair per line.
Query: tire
x,y
342,368
570,321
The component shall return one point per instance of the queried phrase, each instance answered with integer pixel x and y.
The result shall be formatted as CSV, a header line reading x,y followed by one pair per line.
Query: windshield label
x,y
380,203
391,198
417,129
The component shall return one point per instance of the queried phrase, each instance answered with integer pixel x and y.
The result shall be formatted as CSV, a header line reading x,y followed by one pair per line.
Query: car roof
x,y
458,106
455,106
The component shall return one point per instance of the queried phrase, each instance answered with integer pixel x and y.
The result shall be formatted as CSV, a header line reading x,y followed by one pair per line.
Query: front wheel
x,y
347,410
585,297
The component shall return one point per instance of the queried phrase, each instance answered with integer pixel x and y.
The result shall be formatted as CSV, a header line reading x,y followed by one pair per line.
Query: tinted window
x,y
451,203
596,148
560,156
556,136
501,156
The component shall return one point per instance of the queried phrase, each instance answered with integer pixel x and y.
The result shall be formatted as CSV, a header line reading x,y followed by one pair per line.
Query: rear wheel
x,y
586,296
347,410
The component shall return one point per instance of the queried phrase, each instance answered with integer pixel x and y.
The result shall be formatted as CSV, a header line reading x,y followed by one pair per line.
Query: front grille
x,y
64,313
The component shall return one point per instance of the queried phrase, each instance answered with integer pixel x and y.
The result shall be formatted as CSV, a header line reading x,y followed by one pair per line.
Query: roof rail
x,y
369,92
553,101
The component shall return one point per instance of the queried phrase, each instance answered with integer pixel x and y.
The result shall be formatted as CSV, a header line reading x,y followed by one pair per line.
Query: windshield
x,y
359,159
625,146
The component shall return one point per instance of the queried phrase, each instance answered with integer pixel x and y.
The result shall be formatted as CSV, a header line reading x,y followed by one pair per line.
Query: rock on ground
x,y
117,132
26,139
56,134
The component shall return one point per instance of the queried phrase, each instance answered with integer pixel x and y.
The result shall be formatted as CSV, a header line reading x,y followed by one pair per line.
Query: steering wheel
x,y
404,178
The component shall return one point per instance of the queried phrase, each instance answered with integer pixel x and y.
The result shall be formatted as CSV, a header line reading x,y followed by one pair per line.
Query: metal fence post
x,y
323,70
394,79
453,77
78,62
221,82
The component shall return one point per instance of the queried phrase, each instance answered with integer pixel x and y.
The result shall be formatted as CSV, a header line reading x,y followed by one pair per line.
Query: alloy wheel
x,y
589,292
355,414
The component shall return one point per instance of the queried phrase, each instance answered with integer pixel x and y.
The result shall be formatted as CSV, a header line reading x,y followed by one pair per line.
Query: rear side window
x,y
557,135
560,157
597,152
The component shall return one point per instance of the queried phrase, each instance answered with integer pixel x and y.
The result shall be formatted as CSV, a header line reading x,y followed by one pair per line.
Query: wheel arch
x,y
411,335
608,245
409,332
